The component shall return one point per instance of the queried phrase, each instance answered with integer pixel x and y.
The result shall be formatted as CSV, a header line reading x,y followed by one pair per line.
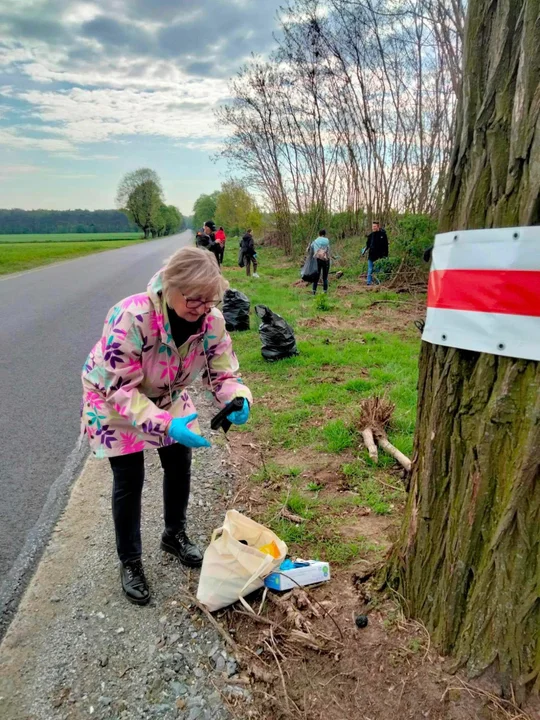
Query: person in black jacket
x,y
248,254
376,246
206,238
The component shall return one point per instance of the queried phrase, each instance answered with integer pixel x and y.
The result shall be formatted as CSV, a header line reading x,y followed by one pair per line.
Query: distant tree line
x,y
30,222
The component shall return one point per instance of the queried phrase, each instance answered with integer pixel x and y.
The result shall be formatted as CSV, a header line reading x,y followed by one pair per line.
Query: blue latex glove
x,y
179,431
240,417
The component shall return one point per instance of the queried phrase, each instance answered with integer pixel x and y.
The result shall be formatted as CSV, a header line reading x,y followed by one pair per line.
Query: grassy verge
x,y
68,237
15,257
353,343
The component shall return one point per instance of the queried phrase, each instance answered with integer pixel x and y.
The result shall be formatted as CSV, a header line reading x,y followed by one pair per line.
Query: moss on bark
x,y
468,558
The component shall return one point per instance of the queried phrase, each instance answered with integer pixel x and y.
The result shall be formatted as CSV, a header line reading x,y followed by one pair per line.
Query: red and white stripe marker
x,y
484,292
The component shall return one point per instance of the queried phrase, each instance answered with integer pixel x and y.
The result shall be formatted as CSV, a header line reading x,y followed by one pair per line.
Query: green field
x,y
354,343
18,256
69,237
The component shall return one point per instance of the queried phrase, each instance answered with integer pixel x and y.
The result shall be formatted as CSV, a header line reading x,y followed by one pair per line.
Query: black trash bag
x,y
310,271
236,310
277,336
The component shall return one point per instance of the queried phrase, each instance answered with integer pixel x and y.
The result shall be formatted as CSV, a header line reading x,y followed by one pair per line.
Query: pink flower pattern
x,y
95,400
130,444
129,420
139,300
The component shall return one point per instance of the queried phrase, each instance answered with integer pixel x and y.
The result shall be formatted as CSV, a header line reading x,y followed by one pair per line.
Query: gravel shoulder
x,y
78,649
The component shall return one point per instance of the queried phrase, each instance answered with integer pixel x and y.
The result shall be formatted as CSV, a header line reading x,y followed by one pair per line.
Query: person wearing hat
x,y
206,238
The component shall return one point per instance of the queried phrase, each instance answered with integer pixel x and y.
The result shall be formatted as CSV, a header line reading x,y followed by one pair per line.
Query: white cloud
x,y
11,139
97,71
81,12
98,115
208,145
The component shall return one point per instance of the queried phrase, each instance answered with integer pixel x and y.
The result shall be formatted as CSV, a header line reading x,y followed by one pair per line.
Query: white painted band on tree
x,y
484,292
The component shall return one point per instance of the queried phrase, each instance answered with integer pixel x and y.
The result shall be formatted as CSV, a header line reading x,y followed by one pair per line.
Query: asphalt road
x,y
51,317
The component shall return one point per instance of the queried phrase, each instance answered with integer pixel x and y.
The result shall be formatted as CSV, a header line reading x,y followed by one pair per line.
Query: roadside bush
x,y
414,234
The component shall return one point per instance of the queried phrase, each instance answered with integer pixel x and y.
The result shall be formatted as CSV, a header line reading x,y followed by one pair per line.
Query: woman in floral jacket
x,y
153,347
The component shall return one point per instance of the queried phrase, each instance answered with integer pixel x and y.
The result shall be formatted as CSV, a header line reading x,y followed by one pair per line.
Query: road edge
x,y
19,576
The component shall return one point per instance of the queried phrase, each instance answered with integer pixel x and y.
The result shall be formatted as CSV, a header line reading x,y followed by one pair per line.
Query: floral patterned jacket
x,y
134,379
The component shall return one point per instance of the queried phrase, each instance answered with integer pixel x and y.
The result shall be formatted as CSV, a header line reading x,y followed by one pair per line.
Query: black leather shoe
x,y
134,583
182,547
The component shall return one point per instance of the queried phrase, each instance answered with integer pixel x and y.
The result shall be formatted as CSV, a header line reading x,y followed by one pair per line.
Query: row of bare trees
x,y
352,113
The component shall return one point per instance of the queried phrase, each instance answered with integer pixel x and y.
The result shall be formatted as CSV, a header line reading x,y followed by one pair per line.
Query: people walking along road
x,y
153,347
376,247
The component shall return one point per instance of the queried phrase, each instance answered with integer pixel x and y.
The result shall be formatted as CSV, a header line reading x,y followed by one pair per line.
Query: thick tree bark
x,y
468,559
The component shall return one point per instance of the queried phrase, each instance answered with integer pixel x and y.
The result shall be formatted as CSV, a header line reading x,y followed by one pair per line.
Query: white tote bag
x,y
232,570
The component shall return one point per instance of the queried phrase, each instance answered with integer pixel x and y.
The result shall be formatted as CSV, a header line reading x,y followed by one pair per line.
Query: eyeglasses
x,y
196,303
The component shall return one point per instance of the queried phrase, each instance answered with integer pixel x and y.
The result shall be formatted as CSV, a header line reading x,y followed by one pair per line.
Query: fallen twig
x,y
508,708
288,515
265,593
224,634
305,639
285,693
392,487
257,618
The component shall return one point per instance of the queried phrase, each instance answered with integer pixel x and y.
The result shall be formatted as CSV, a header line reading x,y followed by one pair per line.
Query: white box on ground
x,y
309,573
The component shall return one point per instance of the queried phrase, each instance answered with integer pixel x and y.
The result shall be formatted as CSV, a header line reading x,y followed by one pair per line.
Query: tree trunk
x,y
467,562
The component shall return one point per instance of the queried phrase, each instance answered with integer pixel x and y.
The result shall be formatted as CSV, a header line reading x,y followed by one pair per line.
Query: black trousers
x,y
323,266
248,260
220,253
128,480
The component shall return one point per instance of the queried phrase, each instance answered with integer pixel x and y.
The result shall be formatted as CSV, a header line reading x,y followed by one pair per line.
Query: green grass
x,y
309,404
335,369
15,257
338,437
69,237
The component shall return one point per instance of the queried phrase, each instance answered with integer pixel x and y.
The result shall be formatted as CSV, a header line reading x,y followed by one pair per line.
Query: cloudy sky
x,y
90,90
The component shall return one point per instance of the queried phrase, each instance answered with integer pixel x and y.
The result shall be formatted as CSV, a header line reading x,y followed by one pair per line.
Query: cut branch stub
x,y
369,442
375,413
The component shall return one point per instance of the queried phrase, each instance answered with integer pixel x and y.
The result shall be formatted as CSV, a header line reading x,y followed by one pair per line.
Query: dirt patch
x,y
367,525
389,316
308,659
330,322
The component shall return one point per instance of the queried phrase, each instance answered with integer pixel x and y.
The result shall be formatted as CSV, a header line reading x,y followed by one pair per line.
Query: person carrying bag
x,y
321,253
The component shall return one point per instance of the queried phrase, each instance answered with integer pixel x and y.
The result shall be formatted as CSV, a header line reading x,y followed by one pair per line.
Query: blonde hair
x,y
195,272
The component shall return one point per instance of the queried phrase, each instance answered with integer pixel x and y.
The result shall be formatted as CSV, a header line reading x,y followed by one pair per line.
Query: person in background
x,y
321,252
135,398
220,239
206,238
376,247
248,255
